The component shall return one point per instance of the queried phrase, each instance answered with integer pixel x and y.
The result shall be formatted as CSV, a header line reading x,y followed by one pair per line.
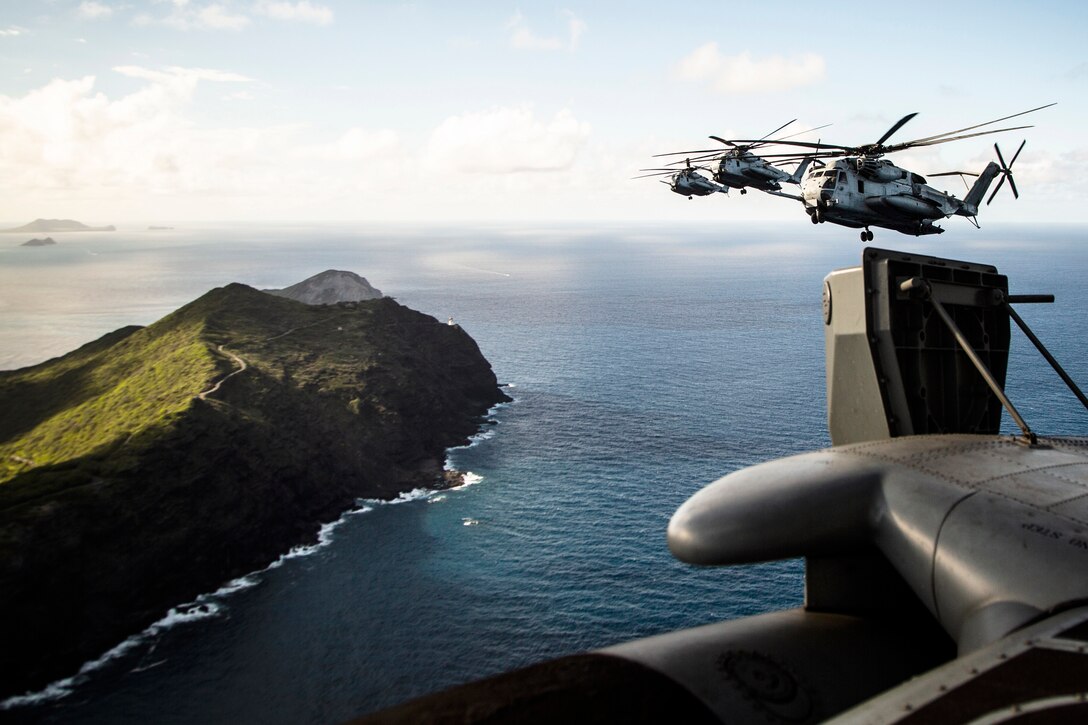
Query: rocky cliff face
x,y
329,287
130,482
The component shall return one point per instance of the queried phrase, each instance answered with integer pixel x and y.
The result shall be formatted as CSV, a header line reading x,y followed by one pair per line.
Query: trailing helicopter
x,y
739,168
861,189
688,181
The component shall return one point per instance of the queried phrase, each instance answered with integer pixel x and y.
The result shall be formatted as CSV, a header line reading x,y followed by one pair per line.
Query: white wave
x,y
437,499
468,478
205,606
200,608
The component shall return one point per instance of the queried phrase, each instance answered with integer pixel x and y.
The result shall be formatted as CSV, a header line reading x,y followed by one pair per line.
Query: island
x,y
48,241
52,226
157,463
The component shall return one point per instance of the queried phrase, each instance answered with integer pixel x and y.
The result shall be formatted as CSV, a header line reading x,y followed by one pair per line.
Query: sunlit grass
x,y
95,400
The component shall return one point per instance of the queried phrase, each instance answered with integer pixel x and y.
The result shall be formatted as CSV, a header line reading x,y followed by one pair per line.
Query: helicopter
x,y
687,181
739,168
861,189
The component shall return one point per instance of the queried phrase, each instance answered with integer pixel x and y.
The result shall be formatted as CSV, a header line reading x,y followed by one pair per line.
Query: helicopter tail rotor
x,y
1006,172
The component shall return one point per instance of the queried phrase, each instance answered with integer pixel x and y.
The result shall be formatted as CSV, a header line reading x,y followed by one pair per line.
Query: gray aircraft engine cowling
x,y
988,532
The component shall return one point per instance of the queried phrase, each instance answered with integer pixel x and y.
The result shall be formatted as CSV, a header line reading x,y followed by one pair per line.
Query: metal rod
x,y
1023,299
926,292
1046,354
983,371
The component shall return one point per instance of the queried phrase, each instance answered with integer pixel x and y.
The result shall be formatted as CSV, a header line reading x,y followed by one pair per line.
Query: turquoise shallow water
x,y
644,364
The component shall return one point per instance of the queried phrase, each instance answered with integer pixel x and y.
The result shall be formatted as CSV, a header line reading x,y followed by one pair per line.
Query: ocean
x,y
645,361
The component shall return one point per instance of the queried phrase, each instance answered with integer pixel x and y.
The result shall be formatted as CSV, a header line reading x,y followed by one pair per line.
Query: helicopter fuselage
x,y
691,183
742,169
861,192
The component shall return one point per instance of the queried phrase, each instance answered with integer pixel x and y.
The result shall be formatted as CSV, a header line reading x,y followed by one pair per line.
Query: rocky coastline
x,y
269,418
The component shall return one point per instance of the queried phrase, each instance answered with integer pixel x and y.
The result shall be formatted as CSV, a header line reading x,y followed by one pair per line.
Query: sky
x,y
115,111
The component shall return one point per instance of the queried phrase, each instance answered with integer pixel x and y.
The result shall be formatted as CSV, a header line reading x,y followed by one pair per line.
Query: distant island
x,y
52,226
39,242
158,463
329,287
158,229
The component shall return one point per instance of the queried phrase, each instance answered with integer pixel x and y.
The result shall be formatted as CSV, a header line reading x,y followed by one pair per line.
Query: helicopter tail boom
x,y
795,177
978,190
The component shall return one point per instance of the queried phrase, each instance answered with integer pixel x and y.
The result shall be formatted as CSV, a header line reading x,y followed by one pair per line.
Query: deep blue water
x,y
644,362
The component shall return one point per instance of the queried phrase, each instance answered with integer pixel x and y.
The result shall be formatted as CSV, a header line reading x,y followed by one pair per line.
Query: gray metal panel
x,y
855,409
980,527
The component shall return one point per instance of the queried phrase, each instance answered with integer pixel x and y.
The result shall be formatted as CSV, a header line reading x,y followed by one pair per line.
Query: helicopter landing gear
x,y
866,236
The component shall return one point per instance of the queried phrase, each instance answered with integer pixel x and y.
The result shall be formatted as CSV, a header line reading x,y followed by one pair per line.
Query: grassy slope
x,y
88,403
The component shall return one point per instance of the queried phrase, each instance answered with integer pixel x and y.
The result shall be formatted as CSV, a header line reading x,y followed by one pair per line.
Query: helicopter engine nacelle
x,y
879,170
905,204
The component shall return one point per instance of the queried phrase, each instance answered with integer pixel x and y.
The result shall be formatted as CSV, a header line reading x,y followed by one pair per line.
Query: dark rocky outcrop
x,y
124,492
39,242
329,287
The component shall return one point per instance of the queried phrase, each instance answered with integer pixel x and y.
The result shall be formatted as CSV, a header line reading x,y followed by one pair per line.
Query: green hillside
x,y
157,463
90,402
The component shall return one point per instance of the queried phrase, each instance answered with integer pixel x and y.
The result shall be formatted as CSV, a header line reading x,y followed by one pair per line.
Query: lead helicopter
x,y
688,181
861,189
739,168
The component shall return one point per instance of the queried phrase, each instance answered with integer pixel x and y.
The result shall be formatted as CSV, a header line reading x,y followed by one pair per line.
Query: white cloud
x,y
67,138
744,74
187,76
184,15
523,38
576,28
506,140
72,146
356,144
11,31
218,17
304,11
94,10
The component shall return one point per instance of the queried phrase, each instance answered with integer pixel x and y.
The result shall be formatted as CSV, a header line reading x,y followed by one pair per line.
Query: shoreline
x,y
209,605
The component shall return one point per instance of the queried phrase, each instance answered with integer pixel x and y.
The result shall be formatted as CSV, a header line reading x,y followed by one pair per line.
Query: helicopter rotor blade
x,y
996,189
1006,171
1014,156
772,133
911,144
1012,185
980,125
1007,168
898,125
688,153
799,133
727,143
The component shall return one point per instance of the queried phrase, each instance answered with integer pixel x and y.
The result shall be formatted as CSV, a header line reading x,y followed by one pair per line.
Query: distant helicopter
x,y
861,189
739,168
688,181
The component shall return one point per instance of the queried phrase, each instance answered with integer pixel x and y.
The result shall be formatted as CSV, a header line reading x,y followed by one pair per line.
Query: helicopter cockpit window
x,y
829,182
